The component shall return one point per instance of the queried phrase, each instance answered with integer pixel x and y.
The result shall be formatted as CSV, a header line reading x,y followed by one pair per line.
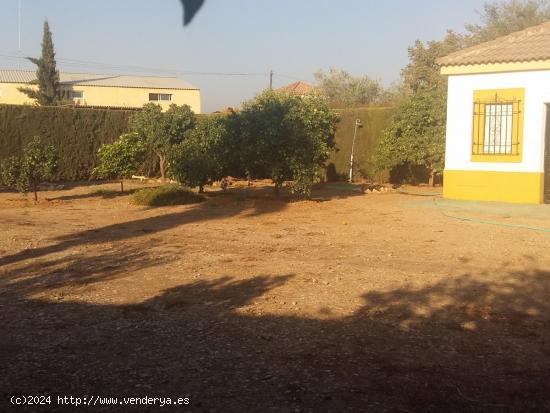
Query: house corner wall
x,y
518,182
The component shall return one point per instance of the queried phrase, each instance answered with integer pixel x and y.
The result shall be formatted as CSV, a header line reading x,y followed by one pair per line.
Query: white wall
x,y
460,118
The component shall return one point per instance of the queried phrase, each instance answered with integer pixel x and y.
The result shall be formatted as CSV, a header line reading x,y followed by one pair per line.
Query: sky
x,y
294,38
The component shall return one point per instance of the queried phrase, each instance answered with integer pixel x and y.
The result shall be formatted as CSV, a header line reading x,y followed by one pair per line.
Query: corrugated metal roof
x,y
90,79
530,44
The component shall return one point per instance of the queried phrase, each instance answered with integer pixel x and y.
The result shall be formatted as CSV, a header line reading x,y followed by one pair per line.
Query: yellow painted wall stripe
x,y
516,187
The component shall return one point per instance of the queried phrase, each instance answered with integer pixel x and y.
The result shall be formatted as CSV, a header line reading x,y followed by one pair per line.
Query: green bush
x,y
24,173
78,133
199,159
165,195
122,158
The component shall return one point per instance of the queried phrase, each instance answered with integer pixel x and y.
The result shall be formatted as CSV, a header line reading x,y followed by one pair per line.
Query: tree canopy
x,y
422,72
416,135
344,89
47,76
200,158
160,130
284,137
505,17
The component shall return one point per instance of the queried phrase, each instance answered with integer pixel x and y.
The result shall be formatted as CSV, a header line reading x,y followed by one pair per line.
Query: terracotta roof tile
x,y
297,88
530,44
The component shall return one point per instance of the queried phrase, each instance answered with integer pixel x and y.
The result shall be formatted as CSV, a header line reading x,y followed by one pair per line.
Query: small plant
x,y
37,163
122,158
166,195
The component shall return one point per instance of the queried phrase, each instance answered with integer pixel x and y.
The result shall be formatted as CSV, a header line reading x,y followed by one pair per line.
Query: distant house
x,y
498,119
227,110
100,90
297,88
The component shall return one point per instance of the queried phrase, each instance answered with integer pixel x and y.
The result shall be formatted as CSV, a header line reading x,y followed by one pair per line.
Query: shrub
x,y
37,163
199,159
165,195
122,158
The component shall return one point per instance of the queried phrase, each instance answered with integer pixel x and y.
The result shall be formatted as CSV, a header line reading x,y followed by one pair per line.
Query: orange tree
x,y
282,137
160,130
36,164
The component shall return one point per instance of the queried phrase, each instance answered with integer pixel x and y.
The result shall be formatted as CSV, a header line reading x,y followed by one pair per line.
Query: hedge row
x,y
374,120
77,133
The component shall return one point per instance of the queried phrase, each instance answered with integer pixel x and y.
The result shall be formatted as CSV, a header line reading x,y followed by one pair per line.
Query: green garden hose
x,y
441,209
486,222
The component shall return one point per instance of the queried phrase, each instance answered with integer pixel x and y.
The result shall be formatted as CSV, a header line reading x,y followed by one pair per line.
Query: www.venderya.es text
x,y
94,400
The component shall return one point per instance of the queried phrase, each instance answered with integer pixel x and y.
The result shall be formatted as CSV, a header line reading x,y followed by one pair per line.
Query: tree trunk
x,y
201,189
431,182
162,160
122,186
35,190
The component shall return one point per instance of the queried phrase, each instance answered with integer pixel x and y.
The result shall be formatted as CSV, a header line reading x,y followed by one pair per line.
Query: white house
x,y
498,119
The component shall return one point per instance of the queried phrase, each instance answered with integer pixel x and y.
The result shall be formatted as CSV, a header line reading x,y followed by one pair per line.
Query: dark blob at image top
x,y
190,9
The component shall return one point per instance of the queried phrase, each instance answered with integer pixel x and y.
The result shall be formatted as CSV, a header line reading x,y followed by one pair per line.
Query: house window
x,y
160,97
497,136
76,94
70,94
497,127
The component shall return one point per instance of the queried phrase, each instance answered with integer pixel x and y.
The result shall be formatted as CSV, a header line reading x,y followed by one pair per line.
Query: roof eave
x,y
116,86
495,67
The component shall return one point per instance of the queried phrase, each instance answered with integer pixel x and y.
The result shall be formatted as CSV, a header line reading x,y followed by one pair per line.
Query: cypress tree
x,y
47,76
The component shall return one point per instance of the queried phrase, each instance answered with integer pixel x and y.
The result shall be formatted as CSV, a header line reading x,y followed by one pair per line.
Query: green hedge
x,y
77,134
374,120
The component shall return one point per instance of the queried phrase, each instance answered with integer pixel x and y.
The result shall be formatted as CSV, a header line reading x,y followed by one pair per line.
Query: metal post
x,y
357,125
271,80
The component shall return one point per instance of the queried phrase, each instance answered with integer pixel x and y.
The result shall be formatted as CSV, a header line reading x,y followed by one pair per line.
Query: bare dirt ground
x,y
350,302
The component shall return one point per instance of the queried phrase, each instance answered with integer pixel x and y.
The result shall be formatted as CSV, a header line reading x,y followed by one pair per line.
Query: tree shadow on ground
x,y
79,269
99,193
336,190
249,201
461,344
